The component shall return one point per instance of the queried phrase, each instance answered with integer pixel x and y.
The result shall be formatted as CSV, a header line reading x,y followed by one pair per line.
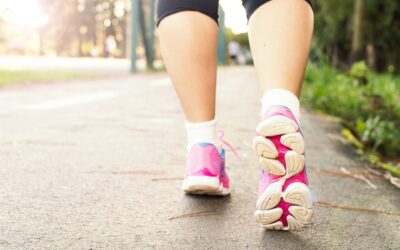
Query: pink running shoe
x,y
206,171
284,199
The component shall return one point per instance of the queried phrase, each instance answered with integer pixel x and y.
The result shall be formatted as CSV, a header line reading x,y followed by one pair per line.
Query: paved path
x,y
98,165
102,66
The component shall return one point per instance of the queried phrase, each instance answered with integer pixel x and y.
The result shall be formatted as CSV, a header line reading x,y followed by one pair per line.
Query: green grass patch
x,y
368,104
23,76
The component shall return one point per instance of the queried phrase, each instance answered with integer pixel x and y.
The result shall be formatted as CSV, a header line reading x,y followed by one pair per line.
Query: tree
x,y
350,30
357,43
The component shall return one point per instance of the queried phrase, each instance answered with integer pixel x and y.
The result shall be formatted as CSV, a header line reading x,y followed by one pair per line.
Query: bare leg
x,y
280,34
188,42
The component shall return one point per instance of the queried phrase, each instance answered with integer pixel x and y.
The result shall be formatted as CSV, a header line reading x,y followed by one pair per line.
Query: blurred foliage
x,y
73,28
367,102
334,27
80,27
24,76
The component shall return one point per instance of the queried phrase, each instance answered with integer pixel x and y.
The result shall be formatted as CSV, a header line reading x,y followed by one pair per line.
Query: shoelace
x,y
220,136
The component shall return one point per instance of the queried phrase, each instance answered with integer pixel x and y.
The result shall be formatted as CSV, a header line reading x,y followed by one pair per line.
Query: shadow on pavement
x,y
283,239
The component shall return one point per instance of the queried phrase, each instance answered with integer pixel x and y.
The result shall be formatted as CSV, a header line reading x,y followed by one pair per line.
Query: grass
x,y
24,76
367,104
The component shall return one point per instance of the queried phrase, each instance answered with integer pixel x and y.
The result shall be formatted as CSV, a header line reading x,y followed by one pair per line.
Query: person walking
x,y
280,33
233,50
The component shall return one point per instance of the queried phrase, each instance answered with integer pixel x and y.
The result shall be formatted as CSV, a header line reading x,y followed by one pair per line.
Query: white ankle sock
x,y
281,97
202,132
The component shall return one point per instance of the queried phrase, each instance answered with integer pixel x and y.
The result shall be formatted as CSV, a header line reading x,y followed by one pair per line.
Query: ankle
x,y
281,97
202,132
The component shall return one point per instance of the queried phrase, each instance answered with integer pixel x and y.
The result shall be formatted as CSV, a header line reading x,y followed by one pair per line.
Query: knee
x,y
169,7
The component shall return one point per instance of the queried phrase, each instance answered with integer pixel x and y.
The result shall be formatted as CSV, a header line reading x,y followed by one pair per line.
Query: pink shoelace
x,y
220,136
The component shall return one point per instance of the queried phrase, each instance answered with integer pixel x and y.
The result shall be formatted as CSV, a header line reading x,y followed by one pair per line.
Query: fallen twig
x,y
330,172
127,172
346,173
359,176
361,209
167,179
373,174
138,171
195,214
395,181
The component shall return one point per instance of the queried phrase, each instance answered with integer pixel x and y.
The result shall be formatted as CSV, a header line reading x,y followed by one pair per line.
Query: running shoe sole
x,y
296,197
204,185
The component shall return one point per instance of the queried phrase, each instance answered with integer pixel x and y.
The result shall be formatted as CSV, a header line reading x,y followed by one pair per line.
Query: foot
x,y
206,171
284,199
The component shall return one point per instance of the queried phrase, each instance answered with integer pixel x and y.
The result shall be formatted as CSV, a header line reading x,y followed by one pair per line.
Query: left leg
x,y
280,33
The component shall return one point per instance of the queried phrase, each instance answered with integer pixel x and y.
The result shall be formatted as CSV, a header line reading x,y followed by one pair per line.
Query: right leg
x,y
188,32
188,42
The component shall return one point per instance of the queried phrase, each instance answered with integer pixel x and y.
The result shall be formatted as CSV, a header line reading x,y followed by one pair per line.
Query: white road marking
x,y
72,101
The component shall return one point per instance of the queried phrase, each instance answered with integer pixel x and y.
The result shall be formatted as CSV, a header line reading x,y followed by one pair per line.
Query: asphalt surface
x,y
98,165
100,66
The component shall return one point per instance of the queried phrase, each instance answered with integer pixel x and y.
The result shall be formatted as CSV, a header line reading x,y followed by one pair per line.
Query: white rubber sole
x,y
277,125
297,194
294,164
204,185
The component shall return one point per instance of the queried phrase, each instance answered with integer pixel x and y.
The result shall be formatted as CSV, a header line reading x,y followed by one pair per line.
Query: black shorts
x,y
207,7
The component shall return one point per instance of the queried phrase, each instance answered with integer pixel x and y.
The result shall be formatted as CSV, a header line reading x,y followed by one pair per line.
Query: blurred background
x,y
345,31
352,74
77,28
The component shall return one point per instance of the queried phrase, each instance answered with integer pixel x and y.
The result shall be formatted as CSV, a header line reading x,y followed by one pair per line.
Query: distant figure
x,y
233,49
94,51
111,46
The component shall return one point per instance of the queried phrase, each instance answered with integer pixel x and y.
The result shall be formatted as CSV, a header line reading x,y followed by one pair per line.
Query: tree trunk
x,y
143,29
371,56
357,43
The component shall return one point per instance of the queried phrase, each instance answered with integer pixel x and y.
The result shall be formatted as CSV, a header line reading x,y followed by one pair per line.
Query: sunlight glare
x,y
26,13
235,15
